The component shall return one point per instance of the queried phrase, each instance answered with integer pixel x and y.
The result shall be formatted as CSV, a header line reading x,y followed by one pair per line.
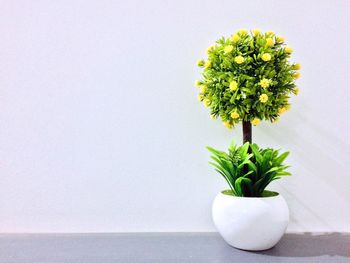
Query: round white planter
x,y
250,223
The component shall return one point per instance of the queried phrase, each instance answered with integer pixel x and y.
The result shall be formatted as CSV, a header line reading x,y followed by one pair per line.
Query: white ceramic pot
x,y
250,223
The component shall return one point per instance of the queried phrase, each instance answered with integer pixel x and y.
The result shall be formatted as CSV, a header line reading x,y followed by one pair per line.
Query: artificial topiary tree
x,y
248,78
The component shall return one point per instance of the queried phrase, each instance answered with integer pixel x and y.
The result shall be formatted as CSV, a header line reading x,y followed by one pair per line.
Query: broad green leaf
x,y
281,158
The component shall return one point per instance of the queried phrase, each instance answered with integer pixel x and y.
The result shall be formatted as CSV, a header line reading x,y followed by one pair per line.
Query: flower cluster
x,y
248,77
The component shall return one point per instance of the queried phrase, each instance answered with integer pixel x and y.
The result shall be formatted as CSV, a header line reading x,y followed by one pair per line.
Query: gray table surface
x,y
167,248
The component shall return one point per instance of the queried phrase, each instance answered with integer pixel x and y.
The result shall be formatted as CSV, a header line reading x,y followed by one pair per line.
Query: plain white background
x,y
101,129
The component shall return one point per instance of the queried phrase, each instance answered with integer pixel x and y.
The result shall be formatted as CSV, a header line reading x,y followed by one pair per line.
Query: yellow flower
x,y
197,83
239,59
282,110
200,97
203,89
296,75
270,33
255,121
235,38
207,64
256,31
296,66
242,31
280,39
288,50
206,102
263,98
269,42
265,83
266,57
296,91
228,124
228,49
234,115
213,117
209,49
275,120
233,85
200,63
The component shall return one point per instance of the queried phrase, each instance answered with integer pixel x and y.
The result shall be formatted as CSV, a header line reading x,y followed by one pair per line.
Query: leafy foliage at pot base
x,y
249,169
266,193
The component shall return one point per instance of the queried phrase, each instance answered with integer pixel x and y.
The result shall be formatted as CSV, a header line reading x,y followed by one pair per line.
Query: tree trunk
x,y
247,131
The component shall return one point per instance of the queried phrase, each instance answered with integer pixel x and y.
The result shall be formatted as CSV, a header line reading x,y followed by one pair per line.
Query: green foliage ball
x,y
248,77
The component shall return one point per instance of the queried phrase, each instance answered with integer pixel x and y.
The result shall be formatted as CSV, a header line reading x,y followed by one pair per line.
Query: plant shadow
x,y
311,245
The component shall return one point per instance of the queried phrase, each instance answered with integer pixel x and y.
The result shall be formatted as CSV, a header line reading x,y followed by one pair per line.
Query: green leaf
x,y
281,158
252,166
284,173
257,155
244,186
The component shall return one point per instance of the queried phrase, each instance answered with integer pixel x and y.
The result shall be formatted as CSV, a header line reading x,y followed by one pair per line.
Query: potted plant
x,y
248,78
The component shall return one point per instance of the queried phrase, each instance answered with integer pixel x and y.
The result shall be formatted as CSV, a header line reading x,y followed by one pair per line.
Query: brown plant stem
x,y
247,137
247,132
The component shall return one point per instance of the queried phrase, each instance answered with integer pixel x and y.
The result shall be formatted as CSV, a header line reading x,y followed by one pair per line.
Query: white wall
x,y
101,129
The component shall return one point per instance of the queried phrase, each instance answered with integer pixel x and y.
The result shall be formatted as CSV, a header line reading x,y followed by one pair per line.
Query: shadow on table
x,y
310,245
